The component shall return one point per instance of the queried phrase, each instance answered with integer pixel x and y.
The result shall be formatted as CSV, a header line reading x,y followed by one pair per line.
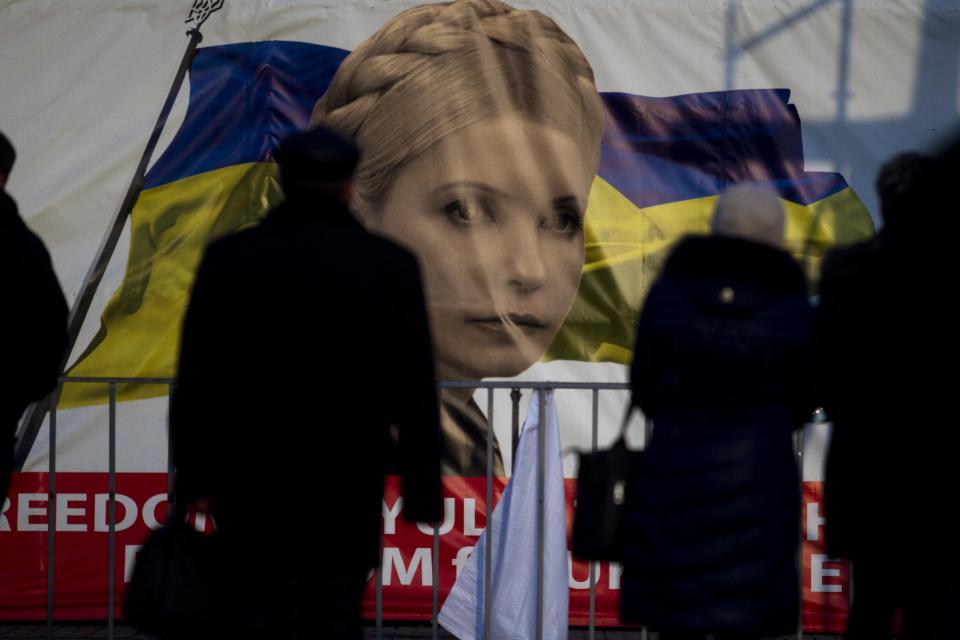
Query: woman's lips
x,y
526,322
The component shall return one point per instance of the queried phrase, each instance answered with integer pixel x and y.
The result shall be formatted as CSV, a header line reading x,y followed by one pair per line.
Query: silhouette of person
x,y
886,491
305,339
34,323
724,366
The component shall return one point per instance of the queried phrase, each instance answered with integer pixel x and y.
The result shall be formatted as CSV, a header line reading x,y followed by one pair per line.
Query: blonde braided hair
x,y
437,68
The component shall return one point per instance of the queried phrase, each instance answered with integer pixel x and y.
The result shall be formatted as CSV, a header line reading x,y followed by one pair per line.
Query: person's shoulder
x,y
392,253
221,248
755,263
238,242
7,204
854,261
227,257
19,241
9,216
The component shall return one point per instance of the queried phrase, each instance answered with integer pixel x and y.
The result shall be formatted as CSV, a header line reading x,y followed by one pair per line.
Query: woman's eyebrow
x,y
471,184
568,201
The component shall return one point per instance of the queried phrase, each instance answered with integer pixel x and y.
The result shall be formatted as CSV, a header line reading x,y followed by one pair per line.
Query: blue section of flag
x,y
658,150
245,97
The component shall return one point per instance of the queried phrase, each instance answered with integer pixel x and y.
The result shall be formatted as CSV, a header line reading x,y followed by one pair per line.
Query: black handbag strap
x,y
619,442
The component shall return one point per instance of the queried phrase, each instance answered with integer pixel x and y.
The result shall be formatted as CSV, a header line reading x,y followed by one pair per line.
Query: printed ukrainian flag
x,y
664,161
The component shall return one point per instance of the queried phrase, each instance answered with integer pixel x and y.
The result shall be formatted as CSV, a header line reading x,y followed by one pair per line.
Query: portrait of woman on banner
x,y
479,127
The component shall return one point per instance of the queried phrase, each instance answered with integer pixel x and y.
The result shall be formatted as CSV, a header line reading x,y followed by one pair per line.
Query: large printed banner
x,y
81,551
541,163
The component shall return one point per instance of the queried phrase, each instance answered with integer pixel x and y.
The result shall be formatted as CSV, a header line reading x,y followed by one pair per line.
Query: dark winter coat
x,y
34,326
305,339
890,447
724,366
889,325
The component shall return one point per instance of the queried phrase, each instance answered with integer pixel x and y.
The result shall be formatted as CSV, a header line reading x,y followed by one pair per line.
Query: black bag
x,y
170,592
602,482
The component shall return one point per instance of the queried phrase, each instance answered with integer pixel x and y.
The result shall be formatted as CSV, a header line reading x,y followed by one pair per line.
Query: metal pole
x,y
549,385
488,539
112,511
378,589
81,304
591,631
541,505
52,520
647,434
799,444
169,453
435,606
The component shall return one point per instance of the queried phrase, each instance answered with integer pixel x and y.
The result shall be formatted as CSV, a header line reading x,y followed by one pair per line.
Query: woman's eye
x,y
463,212
566,221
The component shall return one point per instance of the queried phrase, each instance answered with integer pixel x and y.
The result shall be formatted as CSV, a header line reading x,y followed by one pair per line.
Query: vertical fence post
x,y
541,505
169,452
378,590
112,513
595,425
647,434
488,544
52,515
798,436
435,605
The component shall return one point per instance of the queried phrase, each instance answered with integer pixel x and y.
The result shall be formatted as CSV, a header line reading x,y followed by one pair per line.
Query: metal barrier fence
x,y
514,386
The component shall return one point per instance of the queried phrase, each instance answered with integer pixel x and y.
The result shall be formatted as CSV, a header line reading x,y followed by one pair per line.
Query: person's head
x,y
480,130
7,157
752,212
317,164
899,183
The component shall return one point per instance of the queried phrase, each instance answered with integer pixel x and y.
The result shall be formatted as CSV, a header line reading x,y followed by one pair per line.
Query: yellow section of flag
x,y
171,226
625,248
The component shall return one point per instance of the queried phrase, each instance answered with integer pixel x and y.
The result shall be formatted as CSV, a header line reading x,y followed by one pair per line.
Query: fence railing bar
x,y
112,514
118,380
541,505
378,591
542,384
114,383
488,507
435,604
798,435
594,428
52,518
169,454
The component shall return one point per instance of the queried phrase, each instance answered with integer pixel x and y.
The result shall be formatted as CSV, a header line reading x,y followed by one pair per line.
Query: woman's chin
x,y
476,371
474,357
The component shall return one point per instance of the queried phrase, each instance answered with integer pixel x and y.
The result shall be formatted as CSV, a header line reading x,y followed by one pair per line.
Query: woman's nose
x,y
525,268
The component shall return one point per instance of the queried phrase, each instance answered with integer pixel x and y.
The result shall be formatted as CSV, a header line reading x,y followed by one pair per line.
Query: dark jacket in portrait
x,y
725,367
34,324
305,339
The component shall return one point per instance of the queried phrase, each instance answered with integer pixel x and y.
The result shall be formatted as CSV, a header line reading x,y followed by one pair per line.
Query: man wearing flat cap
x,y
305,339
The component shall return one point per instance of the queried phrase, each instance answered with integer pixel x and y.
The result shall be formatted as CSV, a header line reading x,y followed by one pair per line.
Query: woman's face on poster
x,y
494,212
